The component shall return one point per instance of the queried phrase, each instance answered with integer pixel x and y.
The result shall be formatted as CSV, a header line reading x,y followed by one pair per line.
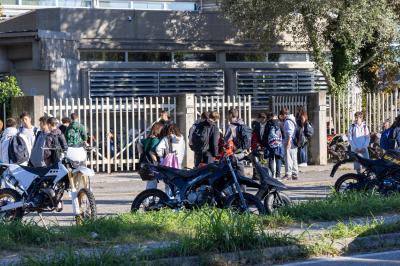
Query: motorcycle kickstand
x,y
41,218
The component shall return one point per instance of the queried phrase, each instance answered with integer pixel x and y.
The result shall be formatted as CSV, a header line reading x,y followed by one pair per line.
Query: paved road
x,y
379,259
115,193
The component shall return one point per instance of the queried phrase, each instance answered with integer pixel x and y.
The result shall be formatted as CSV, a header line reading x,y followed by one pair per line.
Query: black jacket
x,y
257,131
55,139
214,136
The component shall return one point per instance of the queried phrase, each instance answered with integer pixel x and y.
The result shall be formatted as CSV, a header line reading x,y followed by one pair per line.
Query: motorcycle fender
x,y
12,206
75,202
84,170
248,182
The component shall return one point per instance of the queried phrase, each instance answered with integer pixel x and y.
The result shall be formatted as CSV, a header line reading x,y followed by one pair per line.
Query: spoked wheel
x,y
7,196
275,201
150,200
87,205
351,182
254,205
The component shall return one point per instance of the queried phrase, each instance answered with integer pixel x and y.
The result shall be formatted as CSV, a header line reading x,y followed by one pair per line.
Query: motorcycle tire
x,y
272,202
153,206
12,215
358,186
254,205
91,210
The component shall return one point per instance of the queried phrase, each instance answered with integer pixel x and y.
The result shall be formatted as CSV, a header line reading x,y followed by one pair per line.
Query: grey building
x,y
185,46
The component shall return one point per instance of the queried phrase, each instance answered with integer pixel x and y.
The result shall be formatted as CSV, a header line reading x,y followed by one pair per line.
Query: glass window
x,y
115,4
287,57
38,2
74,3
9,2
245,57
149,56
91,56
195,56
114,56
155,6
181,6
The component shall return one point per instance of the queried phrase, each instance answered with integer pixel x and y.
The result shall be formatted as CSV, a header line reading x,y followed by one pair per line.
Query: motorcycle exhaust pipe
x,y
12,206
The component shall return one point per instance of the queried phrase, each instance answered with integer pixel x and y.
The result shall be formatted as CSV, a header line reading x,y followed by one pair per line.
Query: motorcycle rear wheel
x,y
350,182
87,205
150,200
10,195
254,205
272,202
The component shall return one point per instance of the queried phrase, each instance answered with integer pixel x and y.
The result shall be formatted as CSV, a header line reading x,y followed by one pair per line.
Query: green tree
x,y
342,28
9,88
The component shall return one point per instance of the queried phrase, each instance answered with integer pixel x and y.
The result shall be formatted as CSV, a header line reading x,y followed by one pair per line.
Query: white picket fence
x,y
114,126
292,102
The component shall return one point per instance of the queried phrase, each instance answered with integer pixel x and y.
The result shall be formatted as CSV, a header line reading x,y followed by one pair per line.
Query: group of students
x,y
28,145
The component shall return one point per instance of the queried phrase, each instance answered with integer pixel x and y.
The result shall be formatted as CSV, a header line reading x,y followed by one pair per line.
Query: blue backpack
x,y
387,141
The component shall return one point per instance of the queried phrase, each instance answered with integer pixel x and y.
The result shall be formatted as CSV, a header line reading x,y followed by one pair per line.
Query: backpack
x,y
73,136
18,150
275,137
388,141
308,130
299,139
243,136
55,154
145,157
200,139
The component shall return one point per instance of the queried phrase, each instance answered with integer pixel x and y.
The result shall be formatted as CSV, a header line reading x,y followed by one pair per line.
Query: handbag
x,y
170,160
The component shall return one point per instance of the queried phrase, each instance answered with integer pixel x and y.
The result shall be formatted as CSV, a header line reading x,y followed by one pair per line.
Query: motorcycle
x,y
27,189
374,149
216,184
337,147
382,175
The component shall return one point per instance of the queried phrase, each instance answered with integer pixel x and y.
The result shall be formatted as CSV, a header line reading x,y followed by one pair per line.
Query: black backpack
x,y
17,150
243,136
200,141
308,130
299,139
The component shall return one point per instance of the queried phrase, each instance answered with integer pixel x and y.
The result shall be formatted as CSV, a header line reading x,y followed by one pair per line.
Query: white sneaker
x,y
303,165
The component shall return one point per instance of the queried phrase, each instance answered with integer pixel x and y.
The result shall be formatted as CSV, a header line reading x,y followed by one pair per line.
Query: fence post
x,y
318,145
185,115
34,105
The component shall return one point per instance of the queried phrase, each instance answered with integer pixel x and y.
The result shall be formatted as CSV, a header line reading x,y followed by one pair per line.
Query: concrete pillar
x,y
318,145
185,116
34,105
230,82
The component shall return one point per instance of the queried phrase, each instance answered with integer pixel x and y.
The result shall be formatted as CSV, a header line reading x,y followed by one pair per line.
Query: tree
x,y
341,28
9,88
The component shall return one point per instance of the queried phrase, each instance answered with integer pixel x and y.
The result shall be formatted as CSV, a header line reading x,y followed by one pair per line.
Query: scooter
x,y
41,189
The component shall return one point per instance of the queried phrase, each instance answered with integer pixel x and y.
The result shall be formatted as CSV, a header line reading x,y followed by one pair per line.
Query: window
x,y
245,57
149,57
9,2
75,3
115,4
195,56
181,6
287,57
103,56
38,2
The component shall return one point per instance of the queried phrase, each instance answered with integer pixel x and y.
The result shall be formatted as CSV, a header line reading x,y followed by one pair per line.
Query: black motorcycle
x,y
216,184
382,175
338,147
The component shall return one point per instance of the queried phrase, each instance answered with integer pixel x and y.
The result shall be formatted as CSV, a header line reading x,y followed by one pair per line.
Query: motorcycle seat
x,y
377,163
173,172
40,171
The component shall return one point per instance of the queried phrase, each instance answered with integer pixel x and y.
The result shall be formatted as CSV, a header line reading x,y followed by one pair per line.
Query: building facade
x,y
142,48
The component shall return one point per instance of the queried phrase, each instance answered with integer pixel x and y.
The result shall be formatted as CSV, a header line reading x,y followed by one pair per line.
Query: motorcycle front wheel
x,y
87,205
272,202
254,205
8,195
149,200
351,182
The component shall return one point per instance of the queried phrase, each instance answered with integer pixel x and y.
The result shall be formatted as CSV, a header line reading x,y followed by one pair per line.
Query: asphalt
x,y
378,259
114,193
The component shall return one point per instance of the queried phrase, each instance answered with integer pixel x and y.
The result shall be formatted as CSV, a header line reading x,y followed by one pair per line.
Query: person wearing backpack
x,y
147,150
166,122
76,133
359,138
37,155
205,139
291,139
174,142
305,133
10,131
274,145
55,140
238,135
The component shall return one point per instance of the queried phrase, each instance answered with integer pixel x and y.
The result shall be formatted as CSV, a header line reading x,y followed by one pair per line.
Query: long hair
x,y
173,129
156,130
302,114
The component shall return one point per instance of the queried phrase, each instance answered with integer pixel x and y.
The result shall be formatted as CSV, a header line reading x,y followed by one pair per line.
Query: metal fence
x,y
292,102
114,126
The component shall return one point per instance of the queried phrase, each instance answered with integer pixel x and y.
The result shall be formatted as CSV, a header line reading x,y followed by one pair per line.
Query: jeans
x,y
302,154
291,166
275,164
357,166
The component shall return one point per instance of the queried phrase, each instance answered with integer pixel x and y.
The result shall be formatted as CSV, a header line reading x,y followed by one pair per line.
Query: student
x,y
10,131
37,155
359,138
302,125
27,129
259,138
290,148
275,152
147,150
166,122
66,121
76,133
174,141
55,140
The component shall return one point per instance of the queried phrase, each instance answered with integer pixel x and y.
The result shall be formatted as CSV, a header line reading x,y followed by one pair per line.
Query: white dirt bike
x,y
26,189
